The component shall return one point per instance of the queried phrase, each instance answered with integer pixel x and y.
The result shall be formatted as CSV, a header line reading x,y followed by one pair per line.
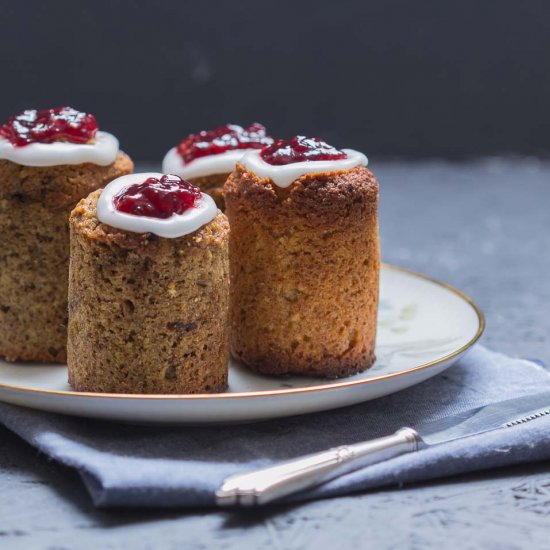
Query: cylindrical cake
x,y
304,272
147,314
35,203
208,157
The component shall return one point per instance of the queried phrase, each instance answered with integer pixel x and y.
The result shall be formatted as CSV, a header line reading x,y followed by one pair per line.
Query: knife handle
x,y
275,482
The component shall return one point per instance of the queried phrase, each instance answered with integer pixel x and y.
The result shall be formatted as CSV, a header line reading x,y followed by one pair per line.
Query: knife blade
x,y
275,482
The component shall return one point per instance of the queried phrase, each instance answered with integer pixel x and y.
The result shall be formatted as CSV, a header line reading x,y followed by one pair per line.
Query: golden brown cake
x,y
49,160
304,268
147,313
35,204
208,157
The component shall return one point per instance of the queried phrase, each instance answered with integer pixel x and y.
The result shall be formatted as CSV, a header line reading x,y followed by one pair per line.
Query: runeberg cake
x,y
304,259
49,160
206,159
148,289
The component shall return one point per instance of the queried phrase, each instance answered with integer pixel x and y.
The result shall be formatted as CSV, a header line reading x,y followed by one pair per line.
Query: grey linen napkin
x,y
126,465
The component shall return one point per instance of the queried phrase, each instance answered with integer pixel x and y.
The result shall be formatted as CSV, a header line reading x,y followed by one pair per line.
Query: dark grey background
x,y
395,78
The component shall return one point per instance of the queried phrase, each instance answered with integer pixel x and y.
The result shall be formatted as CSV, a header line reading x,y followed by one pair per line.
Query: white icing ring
x,y
177,225
285,174
223,163
102,152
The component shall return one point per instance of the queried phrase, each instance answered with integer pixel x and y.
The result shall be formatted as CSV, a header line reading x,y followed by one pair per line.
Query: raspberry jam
x,y
48,126
225,138
300,149
157,198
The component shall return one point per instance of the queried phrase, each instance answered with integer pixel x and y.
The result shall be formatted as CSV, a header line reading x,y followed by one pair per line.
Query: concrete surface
x,y
482,226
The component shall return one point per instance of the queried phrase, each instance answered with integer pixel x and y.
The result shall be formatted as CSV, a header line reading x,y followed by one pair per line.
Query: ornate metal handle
x,y
275,482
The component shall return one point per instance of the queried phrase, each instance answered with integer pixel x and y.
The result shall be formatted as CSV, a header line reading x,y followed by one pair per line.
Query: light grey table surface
x,y
483,226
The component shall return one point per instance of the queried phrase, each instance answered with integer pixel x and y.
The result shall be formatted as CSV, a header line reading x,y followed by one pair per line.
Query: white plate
x,y
423,327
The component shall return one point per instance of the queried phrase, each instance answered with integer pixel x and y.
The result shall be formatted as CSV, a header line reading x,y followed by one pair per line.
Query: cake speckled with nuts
x,y
49,160
304,259
148,289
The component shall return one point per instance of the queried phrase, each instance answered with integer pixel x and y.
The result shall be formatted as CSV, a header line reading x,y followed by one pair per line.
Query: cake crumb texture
x,y
305,267
35,203
147,314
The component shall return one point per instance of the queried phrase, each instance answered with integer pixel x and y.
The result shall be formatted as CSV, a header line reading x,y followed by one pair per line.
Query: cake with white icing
x,y
148,289
208,157
49,160
304,259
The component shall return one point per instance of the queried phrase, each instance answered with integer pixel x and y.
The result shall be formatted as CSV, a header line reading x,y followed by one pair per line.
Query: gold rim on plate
x,y
286,391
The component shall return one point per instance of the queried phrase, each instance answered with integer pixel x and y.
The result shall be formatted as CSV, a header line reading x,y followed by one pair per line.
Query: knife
x,y
275,482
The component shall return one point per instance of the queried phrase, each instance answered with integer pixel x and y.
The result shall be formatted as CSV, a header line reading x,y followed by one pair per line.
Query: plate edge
x,y
287,391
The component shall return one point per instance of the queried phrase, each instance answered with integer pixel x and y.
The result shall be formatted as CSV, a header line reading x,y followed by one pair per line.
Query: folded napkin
x,y
127,465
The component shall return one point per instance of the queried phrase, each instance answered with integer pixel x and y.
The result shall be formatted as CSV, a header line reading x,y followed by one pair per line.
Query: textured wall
x,y
392,77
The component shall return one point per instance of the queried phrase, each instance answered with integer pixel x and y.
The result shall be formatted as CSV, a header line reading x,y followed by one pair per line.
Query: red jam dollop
x,y
225,138
300,149
48,126
158,198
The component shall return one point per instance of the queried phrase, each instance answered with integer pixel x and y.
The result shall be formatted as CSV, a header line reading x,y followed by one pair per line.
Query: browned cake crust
x,y
304,269
35,203
147,314
213,186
